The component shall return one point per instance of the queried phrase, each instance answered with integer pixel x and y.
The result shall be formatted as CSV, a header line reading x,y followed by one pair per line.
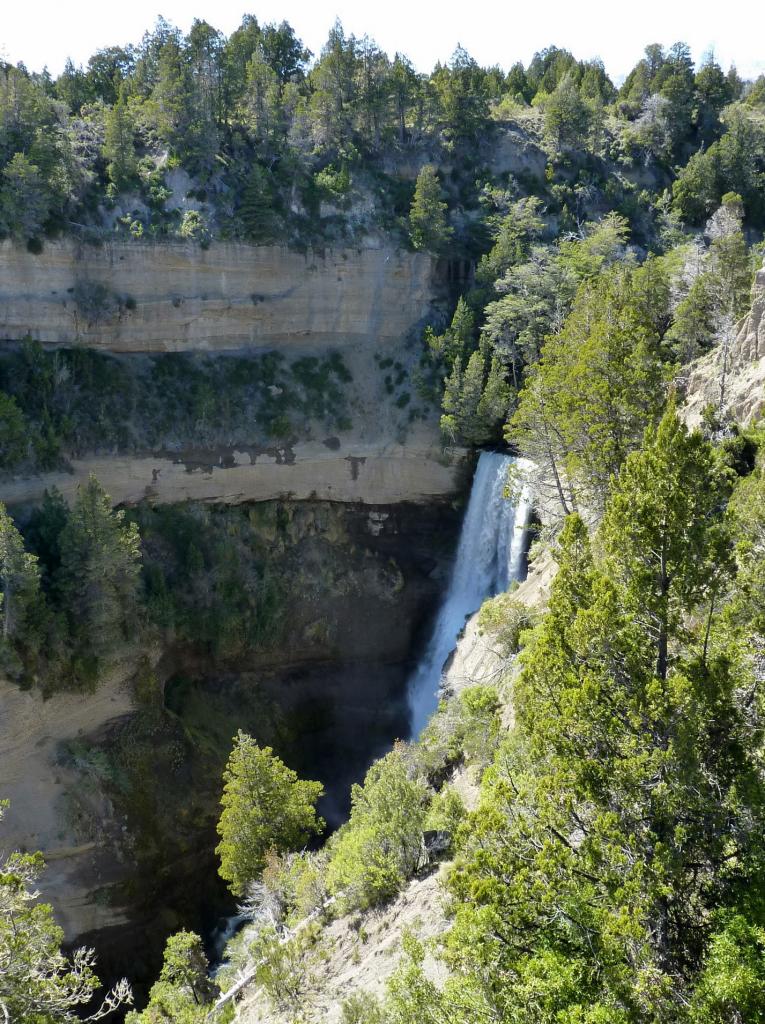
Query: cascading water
x,y
489,558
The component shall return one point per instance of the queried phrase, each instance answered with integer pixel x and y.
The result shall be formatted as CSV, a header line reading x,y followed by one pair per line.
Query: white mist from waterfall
x,y
489,559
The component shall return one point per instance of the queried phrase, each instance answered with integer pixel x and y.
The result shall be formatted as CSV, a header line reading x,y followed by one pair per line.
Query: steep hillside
x,y
731,378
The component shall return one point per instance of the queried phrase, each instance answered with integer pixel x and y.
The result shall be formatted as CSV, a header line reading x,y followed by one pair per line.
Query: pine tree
x,y
265,807
599,383
666,546
496,398
24,198
611,871
256,207
428,226
14,433
119,147
19,578
99,574
461,422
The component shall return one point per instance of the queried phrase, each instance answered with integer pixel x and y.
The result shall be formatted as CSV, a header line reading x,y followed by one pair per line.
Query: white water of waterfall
x,y
489,558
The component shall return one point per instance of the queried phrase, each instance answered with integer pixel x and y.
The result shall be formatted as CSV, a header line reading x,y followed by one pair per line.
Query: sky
x,y
46,32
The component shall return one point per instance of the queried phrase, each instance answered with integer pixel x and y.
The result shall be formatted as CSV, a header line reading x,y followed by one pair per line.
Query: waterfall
x,y
489,558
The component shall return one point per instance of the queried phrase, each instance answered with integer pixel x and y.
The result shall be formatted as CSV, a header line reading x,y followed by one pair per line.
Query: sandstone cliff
x,y
379,473
146,297
744,370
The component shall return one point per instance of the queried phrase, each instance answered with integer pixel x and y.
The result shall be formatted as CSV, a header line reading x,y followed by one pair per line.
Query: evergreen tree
x,y
99,574
184,992
380,845
611,870
265,807
14,433
119,147
462,422
256,208
24,199
568,118
598,384
262,98
19,578
333,82
404,86
494,406
463,98
428,226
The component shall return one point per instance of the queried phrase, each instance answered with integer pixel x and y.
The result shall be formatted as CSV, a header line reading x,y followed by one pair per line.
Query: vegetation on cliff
x,y
38,983
59,405
248,136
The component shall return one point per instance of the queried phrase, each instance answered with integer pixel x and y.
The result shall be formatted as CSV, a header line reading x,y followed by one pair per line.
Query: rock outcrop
x,y
51,809
152,297
743,368
375,474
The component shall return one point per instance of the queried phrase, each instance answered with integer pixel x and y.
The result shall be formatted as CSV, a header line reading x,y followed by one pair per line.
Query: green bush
x,y
379,847
505,619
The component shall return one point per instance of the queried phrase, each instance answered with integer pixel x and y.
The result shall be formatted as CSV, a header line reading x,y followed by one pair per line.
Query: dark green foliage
x,y
258,128
207,580
79,400
735,163
599,381
378,848
611,871
266,807
98,575
14,439
19,582
119,147
255,211
428,226
183,993
24,198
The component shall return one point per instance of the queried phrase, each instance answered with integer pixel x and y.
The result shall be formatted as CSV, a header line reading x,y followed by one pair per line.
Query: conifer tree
x,y
119,147
19,577
24,198
612,869
99,574
428,226
265,807
256,206
496,397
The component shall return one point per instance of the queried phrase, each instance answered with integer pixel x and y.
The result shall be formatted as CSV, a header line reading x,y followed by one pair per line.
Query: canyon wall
x,y
364,573
743,394
151,297
377,474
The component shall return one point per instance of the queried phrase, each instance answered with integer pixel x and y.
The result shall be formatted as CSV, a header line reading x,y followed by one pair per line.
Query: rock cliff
x,y
378,474
743,394
147,297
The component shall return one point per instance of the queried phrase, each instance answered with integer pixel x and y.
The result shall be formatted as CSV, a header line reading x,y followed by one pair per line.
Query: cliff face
x,y
121,794
135,299
744,370
362,572
378,474
145,297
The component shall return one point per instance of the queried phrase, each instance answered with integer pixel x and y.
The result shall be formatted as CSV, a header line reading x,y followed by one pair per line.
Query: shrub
x,y
380,845
505,619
